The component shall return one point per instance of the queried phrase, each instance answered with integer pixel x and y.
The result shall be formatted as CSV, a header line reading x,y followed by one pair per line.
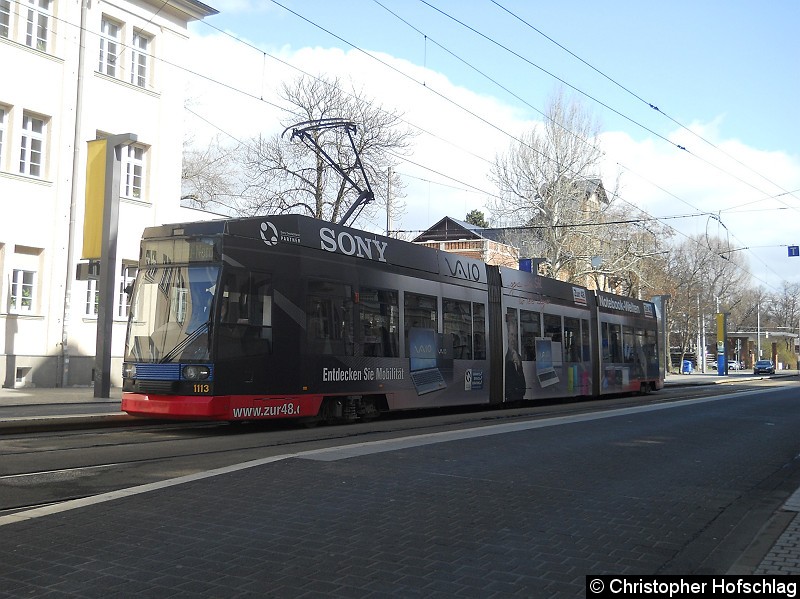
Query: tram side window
x,y
479,330
329,312
552,330
612,347
628,344
651,351
586,347
531,328
420,313
552,327
245,315
614,342
457,322
639,351
379,321
572,332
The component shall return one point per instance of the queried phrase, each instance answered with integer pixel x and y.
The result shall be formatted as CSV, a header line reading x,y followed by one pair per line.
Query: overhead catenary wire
x,y
391,67
473,189
236,89
427,37
592,98
384,63
439,94
641,99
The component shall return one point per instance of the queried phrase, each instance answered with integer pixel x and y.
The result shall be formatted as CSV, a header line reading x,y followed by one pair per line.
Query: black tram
x,y
291,317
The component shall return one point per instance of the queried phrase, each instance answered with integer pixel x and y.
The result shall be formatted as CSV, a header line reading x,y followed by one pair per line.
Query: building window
x,y
125,289
109,47
92,303
38,21
23,291
5,17
140,46
3,113
31,152
132,171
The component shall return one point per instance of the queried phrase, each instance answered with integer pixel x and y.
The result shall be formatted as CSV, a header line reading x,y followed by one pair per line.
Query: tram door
x,y
245,314
329,316
244,330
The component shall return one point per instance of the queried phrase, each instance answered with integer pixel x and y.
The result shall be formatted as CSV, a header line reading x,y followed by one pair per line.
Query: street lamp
x,y
660,302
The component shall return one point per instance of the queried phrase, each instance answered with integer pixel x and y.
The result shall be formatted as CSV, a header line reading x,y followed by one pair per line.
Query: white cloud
x,y
657,177
665,181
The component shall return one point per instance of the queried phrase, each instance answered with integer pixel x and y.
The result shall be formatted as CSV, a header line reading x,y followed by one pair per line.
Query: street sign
x,y
794,250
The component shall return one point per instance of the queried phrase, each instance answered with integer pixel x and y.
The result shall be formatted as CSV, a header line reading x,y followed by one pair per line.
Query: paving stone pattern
x,y
515,515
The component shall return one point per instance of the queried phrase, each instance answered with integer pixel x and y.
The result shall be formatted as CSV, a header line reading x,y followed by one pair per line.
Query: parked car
x,y
734,365
764,367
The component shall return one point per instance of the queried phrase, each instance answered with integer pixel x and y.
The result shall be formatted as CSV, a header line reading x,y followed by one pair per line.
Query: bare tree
x,y
702,278
548,183
783,307
209,178
286,176
628,250
784,311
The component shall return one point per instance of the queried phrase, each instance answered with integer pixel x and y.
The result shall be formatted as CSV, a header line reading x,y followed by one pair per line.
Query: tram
x,y
291,317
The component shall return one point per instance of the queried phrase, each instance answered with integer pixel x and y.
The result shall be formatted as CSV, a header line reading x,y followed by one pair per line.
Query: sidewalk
x,y
27,396
712,378
36,409
783,556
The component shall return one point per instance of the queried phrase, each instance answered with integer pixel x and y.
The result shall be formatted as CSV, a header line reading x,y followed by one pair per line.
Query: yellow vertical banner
x,y
95,200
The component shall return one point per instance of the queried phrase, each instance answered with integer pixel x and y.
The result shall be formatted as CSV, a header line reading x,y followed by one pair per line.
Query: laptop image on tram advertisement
x,y
423,361
544,363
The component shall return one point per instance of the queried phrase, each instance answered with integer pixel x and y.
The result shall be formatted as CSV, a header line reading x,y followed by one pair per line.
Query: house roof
x,y
452,229
596,186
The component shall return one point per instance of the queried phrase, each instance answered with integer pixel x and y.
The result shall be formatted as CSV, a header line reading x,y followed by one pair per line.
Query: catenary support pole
x,y
108,261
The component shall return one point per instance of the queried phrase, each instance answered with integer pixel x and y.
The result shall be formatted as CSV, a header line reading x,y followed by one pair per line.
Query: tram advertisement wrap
x,y
365,374
408,382
275,408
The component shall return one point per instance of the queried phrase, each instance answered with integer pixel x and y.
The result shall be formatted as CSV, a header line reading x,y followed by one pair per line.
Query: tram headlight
x,y
129,371
195,373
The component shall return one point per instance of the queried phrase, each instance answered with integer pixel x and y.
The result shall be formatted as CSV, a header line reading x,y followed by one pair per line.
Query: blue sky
x,y
727,70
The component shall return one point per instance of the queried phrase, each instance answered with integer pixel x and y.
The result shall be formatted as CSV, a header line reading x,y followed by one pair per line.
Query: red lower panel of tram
x,y
220,407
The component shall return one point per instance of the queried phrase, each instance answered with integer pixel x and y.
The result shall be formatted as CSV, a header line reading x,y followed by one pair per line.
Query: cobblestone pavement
x,y
784,557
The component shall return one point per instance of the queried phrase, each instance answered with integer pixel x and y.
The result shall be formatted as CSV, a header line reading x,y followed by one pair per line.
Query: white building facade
x,y
72,71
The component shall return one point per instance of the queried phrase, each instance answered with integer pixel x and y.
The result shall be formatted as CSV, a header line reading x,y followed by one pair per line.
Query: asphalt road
x,y
508,506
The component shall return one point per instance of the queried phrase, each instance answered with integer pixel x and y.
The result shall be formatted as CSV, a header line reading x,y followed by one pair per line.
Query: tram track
x,y
50,468
33,506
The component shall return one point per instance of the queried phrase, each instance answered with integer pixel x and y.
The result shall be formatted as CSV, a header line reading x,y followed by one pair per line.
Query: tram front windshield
x,y
171,314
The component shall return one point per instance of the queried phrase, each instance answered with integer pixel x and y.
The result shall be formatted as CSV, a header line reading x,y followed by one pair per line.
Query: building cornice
x,y
193,9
